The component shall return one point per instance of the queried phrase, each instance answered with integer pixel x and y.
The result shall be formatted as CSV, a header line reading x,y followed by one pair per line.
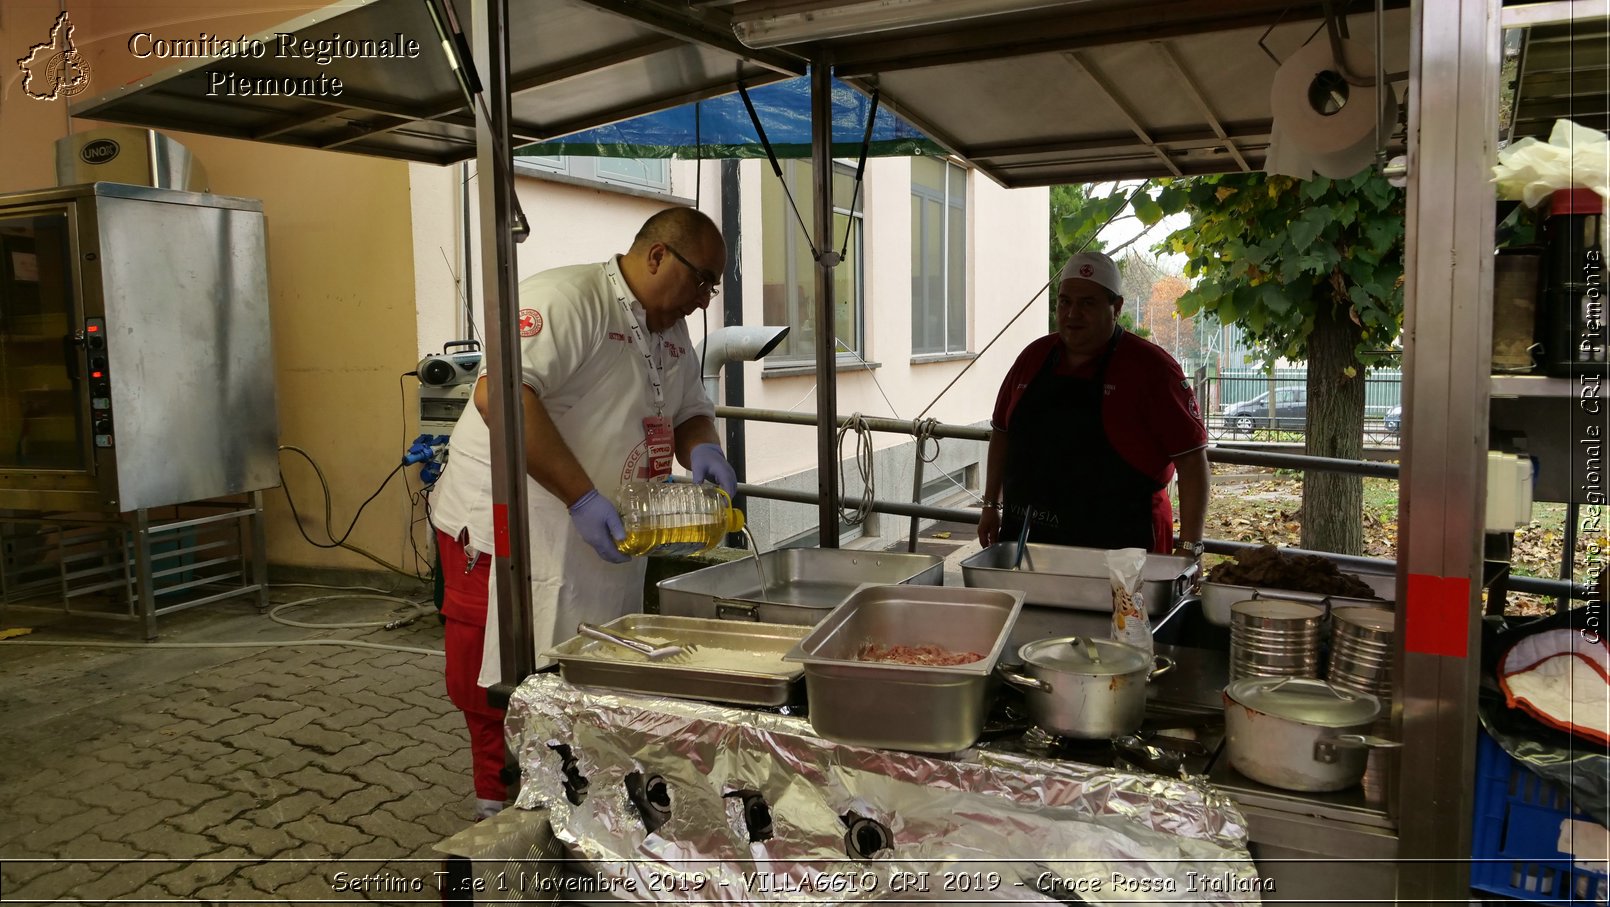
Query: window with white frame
x,y
788,292
651,174
938,257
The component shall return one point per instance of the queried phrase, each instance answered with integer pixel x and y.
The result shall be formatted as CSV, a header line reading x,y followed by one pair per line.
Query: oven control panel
x,y
100,381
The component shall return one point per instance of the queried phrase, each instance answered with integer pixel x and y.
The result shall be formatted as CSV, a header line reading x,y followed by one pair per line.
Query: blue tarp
x,y
721,128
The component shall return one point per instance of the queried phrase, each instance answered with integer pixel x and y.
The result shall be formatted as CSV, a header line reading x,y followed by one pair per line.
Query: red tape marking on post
x,y
1437,616
500,530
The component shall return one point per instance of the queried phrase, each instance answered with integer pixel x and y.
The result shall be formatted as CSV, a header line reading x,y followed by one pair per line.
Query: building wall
x,y
366,271
341,275
1008,258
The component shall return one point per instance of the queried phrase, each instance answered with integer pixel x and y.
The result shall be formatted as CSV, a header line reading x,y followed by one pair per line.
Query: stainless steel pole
x,y
496,187
1455,52
827,457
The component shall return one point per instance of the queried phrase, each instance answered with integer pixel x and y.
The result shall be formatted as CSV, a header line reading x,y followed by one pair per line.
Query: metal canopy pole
x,y
1453,126
827,458
494,166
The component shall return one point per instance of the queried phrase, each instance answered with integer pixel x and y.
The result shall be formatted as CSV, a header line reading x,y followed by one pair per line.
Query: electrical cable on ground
x,y
329,528
420,609
399,619
266,644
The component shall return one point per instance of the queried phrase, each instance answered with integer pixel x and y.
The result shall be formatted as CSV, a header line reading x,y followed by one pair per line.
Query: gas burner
x,y
1168,740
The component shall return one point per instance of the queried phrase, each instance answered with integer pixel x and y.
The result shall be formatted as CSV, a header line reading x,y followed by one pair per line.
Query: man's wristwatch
x,y
1194,549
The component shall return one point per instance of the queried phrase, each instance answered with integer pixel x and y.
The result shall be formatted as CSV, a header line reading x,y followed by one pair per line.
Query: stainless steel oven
x,y
136,367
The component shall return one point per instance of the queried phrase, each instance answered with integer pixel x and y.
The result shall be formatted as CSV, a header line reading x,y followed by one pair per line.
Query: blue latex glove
x,y
710,463
600,525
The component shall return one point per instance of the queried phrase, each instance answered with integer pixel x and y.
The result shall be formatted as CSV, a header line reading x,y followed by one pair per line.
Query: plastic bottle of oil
x,y
674,519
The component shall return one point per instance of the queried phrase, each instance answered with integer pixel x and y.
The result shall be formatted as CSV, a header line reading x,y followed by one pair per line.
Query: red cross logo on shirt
x,y
530,322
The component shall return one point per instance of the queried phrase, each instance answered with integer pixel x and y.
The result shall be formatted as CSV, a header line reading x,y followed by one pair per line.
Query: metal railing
x,y
1216,454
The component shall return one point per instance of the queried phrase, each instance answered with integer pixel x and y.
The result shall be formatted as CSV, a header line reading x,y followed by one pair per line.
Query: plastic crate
x,y
1517,825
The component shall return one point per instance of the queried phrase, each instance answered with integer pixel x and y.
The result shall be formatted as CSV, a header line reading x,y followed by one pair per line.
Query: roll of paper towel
x,y
1308,83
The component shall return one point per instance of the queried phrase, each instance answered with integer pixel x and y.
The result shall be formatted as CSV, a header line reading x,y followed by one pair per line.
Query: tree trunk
x,y
1333,503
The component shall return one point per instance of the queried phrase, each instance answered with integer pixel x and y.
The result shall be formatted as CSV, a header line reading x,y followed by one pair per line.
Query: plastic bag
x,y
1582,767
1125,567
1573,157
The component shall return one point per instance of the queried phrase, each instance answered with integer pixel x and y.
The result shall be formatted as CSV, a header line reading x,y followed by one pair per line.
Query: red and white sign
x,y
530,322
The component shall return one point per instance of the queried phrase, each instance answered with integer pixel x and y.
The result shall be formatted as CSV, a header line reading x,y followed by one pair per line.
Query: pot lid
x,y
1369,618
1278,609
1304,699
1084,655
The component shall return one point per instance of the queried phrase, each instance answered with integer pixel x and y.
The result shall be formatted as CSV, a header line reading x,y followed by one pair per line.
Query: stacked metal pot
x,y
1284,726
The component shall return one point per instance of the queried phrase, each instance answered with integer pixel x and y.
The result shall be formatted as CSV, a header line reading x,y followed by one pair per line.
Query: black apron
x,y
1064,473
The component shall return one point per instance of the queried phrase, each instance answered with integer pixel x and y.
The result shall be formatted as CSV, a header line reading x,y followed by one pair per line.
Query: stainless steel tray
x,y
802,584
709,674
906,707
1067,577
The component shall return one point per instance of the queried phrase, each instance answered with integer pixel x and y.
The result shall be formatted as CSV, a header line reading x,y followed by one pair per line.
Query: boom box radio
x,y
448,367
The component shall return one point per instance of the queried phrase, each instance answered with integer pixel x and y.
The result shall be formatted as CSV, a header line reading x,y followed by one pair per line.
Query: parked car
x,y
1394,419
1291,410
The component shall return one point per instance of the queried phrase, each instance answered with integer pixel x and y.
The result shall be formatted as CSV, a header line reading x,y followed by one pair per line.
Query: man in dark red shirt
x,y
1090,425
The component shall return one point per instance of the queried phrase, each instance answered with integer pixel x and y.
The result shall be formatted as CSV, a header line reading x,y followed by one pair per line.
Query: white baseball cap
x,y
1095,267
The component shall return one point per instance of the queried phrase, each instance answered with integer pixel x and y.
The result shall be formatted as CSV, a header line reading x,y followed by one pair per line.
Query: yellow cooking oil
x,y
674,519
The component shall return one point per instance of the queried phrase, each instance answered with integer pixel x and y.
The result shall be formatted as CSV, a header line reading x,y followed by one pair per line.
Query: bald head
x,y
675,265
677,227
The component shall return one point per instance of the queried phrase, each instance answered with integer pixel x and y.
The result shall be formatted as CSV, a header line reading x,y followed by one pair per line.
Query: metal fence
x,y
1235,402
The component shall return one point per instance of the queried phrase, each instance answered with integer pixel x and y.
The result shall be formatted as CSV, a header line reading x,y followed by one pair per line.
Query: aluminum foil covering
x,y
669,800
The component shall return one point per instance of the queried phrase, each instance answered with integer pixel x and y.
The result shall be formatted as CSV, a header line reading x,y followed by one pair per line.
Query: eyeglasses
x,y
707,281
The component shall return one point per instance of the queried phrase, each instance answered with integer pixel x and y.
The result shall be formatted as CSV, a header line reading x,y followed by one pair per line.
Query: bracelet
x,y
992,505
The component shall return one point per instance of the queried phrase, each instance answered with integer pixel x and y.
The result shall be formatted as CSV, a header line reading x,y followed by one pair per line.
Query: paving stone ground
x,y
225,775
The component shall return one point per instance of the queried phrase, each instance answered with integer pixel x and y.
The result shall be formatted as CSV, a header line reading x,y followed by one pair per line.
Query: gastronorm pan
x,y
939,709
1068,577
735,662
802,584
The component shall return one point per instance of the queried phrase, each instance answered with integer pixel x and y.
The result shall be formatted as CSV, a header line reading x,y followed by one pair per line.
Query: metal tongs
x,y
1023,542
645,649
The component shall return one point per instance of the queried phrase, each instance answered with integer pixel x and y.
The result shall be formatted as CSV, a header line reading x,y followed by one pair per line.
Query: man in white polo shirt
x,y
610,393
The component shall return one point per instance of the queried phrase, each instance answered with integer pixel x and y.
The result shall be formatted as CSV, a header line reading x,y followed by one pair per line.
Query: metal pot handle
x,y
1341,694
1161,665
729,609
1326,747
1188,579
1023,680
1090,648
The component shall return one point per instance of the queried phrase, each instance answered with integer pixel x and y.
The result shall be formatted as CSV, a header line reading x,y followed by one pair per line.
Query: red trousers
x,y
464,600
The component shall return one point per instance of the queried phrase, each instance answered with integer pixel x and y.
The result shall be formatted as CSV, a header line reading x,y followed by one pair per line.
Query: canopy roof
x,y
1060,91
722,128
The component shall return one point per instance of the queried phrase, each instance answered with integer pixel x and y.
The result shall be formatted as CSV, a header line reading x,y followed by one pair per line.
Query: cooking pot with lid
x,y
1082,687
1298,733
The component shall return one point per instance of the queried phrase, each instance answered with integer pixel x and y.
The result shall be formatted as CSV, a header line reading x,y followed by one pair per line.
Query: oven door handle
x,y
74,358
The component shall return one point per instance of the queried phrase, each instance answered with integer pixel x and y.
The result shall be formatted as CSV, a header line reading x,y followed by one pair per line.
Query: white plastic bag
x,y
1573,157
1126,567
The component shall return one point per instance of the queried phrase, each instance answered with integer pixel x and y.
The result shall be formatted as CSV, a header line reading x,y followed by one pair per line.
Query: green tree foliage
x,y
1312,270
1275,255
1076,217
